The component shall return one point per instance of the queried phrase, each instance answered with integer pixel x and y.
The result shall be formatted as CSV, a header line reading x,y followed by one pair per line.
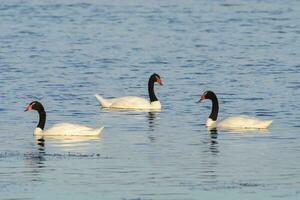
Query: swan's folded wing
x,y
243,121
72,129
131,102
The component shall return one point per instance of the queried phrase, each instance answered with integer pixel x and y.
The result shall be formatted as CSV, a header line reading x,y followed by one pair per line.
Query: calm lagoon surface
x,y
63,52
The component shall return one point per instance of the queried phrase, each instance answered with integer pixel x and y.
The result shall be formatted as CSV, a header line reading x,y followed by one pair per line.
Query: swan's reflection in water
x,y
40,141
213,133
208,170
152,118
247,130
35,162
37,159
240,130
67,143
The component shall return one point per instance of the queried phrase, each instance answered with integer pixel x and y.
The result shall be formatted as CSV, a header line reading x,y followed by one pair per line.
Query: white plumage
x,y
129,102
239,122
68,129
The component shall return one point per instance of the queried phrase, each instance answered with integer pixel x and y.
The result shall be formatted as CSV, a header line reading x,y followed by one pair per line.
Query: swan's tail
x,y
104,103
100,130
266,123
90,132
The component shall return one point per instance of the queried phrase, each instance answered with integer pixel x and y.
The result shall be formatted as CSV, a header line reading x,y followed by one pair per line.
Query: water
x,y
63,52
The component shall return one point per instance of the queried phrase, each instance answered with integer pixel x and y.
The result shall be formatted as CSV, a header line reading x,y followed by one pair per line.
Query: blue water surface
x,y
63,52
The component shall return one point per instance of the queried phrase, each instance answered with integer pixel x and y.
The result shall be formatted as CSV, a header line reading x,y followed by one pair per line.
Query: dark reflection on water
x,y
41,143
213,133
151,120
36,159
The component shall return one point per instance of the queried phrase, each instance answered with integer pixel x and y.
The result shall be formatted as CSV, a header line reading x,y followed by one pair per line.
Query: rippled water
x,y
63,52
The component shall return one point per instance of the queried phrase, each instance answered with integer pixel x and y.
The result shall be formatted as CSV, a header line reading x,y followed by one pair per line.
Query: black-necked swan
x,y
237,122
133,102
61,129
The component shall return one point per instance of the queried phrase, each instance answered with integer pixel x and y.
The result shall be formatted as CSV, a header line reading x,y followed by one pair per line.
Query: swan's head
x,y
156,78
207,95
35,105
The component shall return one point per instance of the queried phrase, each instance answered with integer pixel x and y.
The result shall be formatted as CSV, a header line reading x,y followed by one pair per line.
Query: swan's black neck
x,y
215,106
35,105
42,120
151,89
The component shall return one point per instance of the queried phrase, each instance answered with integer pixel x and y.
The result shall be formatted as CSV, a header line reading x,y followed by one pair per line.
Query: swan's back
x,y
68,129
131,102
128,102
244,122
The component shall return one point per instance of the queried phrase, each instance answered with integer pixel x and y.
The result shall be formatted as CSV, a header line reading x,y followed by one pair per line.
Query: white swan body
x,y
235,122
133,102
239,122
68,129
129,102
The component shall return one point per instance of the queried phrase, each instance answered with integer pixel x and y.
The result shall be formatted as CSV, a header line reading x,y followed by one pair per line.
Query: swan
x,y
235,122
133,102
62,129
